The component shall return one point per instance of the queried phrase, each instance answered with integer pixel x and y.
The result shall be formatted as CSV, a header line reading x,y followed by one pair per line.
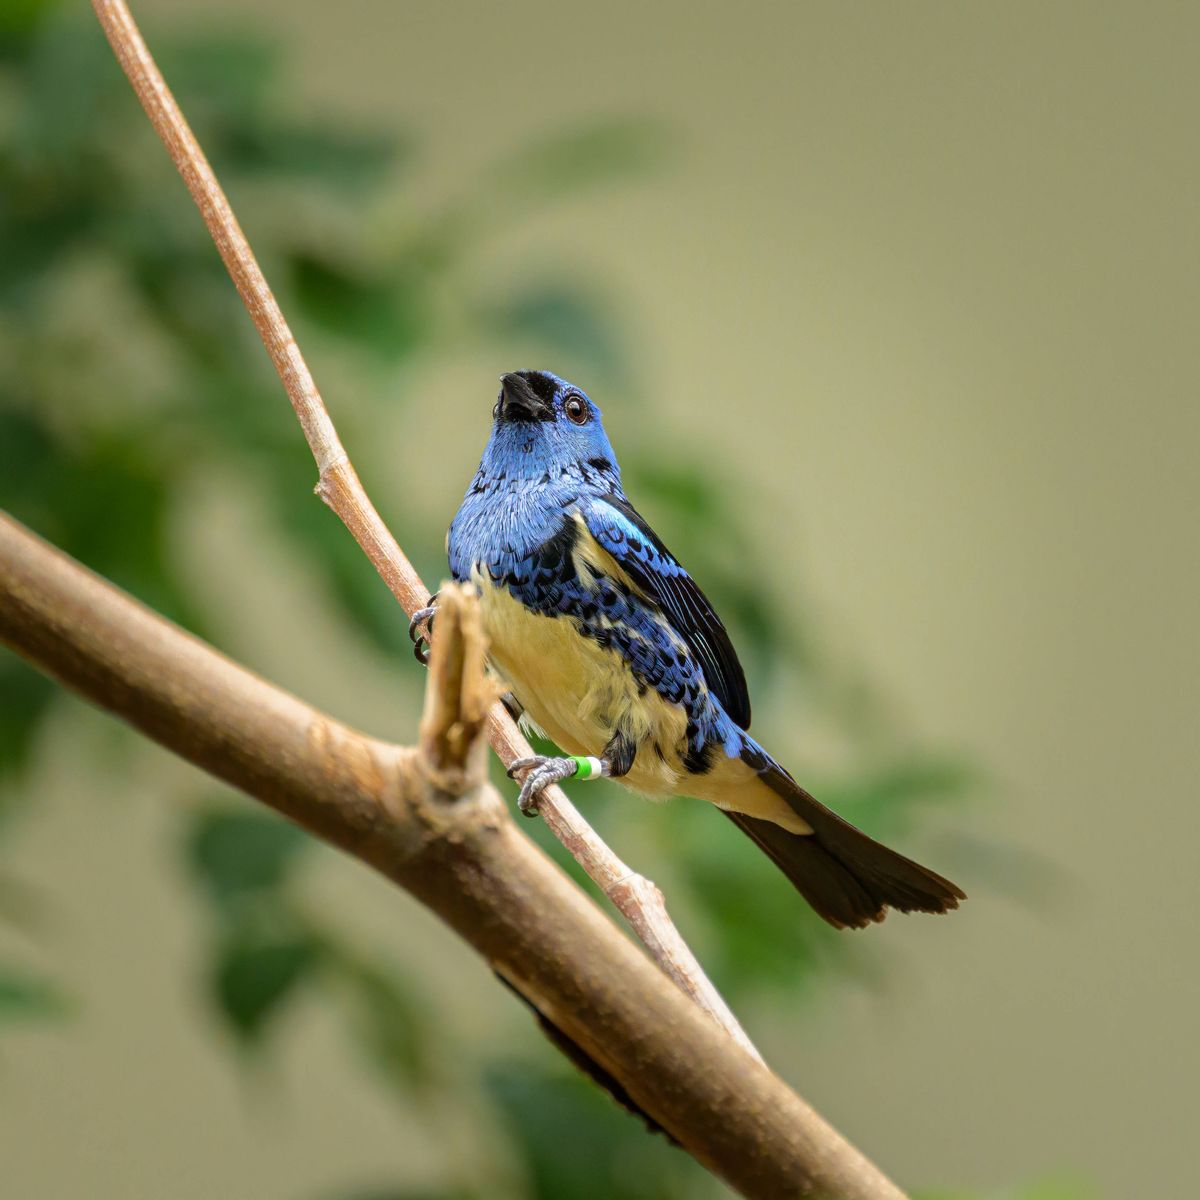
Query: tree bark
x,y
427,819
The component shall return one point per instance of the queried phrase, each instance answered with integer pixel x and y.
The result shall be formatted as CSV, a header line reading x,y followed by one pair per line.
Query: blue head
x,y
544,424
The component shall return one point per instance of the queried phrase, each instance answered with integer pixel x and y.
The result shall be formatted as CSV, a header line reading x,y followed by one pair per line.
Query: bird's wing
x,y
620,529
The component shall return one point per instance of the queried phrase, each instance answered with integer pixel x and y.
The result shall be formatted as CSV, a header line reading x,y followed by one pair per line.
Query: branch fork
x,y
458,694
459,853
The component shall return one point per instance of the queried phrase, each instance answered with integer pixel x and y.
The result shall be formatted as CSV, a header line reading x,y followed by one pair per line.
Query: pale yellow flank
x,y
580,692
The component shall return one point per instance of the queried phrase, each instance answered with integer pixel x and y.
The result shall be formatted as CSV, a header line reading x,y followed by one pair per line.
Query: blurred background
x,y
891,310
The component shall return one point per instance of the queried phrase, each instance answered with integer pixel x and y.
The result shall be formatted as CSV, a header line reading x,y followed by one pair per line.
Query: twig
x,y
458,693
637,898
465,860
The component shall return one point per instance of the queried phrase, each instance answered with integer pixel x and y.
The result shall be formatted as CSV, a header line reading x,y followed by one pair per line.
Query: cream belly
x,y
579,693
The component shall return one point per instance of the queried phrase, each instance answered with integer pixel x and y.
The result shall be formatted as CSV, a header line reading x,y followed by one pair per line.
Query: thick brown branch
x,y
461,857
637,898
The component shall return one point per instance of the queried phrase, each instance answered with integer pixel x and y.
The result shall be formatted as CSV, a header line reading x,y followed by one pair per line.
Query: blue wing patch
x,y
620,529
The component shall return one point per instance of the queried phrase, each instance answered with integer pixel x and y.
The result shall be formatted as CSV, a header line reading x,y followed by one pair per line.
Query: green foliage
x,y
885,800
605,151
26,997
708,535
745,943
571,326
389,1020
98,444
256,974
237,854
387,319
264,954
268,949
25,697
575,1142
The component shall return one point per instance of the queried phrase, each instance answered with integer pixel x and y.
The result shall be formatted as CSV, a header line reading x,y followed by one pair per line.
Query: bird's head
x,y
543,424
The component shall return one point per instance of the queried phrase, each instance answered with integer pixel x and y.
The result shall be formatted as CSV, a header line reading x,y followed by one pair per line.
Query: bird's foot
x,y
541,771
420,628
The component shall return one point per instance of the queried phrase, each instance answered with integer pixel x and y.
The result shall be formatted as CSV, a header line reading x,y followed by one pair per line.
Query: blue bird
x,y
611,648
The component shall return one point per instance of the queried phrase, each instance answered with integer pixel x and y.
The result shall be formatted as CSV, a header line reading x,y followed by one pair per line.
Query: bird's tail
x,y
849,878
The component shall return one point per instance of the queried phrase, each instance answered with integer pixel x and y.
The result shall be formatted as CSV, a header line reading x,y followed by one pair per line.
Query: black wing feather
x,y
657,573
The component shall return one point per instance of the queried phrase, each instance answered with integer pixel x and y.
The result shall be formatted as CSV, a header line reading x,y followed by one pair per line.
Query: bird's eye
x,y
576,409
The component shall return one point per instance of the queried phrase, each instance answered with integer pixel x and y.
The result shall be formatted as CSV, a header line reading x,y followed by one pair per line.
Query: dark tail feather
x,y
849,878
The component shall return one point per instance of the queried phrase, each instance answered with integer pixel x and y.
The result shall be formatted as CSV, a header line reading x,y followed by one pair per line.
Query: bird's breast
x,y
581,692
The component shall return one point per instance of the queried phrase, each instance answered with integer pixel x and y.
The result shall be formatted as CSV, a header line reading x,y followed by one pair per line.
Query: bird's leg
x,y
619,755
542,770
514,707
420,628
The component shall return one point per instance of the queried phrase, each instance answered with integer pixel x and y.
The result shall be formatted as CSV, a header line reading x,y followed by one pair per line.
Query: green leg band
x,y
587,768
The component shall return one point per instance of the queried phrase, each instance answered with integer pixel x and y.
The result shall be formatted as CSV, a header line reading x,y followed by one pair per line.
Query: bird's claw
x,y
420,636
541,772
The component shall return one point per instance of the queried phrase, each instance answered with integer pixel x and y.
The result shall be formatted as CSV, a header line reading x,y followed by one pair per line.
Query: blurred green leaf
x,y
236,852
113,515
556,166
18,19
885,801
114,518
389,1021
256,975
71,83
384,315
757,930
27,450
25,695
220,78
576,1142
757,624
316,532
331,158
691,496
576,329
27,997
706,535
226,85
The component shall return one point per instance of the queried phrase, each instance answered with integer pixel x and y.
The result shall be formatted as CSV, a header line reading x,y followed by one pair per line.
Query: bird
x,y
609,647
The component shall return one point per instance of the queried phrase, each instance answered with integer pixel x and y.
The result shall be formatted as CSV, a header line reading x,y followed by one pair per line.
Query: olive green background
x,y
924,277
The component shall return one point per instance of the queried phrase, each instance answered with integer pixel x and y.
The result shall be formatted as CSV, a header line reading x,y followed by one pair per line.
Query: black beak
x,y
524,396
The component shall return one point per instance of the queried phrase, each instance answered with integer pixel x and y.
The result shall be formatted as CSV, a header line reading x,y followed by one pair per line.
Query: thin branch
x,y
637,898
460,854
458,693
